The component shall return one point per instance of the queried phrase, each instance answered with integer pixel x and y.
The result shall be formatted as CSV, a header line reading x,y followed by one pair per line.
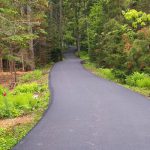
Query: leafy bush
x,y
16,105
120,75
84,55
109,53
30,88
144,83
2,90
106,73
138,79
23,100
26,88
35,75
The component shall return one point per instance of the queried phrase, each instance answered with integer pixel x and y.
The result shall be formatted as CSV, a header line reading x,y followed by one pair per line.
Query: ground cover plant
x,y
29,99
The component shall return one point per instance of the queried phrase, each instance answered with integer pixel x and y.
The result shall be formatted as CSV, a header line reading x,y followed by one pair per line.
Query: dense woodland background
x,y
115,33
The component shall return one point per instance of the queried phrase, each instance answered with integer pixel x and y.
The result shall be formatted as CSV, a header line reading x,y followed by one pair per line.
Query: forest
x,y
115,33
112,38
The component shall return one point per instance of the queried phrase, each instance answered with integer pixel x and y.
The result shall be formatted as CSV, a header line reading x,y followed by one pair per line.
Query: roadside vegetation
x,y
22,107
138,82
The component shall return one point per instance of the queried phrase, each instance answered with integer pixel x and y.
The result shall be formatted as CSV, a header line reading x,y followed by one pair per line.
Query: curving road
x,y
90,113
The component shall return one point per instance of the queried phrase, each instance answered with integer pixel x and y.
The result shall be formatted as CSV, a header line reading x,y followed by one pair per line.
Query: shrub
x,y
30,88
17,105
120,75
84,55
35,75
138,56
144,83
106,73
138,79
2,90
26,88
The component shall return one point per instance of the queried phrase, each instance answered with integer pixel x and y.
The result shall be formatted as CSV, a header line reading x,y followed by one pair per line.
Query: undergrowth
x,y
30,96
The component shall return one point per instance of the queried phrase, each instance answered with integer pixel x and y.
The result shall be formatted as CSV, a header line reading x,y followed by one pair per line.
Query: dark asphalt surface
x,y
90,113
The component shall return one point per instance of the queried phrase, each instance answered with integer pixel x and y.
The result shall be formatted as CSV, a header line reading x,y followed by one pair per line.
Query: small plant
x,y
106,73
2,90
119,75
27,88
18,105
138,79
35,75
144,83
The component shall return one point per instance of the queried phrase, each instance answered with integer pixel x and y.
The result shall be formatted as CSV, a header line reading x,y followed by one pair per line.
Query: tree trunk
x,y
22,59
77,12
15,74
10,67
30,31
78,43
60,23
1,64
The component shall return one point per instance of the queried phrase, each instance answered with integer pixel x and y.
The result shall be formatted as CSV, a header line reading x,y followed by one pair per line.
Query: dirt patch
x,y
8,123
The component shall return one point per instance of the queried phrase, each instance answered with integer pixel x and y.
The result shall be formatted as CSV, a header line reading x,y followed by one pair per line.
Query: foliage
x,y
29,99
34,75
8,138
119,75
106,73
2,90
110,53
137,19
25,98
16,105
26,88
56,55
139,56
139,80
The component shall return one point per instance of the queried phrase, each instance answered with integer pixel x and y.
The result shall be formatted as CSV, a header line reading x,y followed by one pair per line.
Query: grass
x,y
30,97
9,137
137,82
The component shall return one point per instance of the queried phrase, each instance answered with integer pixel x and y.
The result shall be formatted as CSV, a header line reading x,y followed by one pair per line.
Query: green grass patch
x,y
10,137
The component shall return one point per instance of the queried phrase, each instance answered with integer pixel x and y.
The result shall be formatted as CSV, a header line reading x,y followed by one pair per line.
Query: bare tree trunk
x,y
10,67
78,42
22,60
60,23
1,64
77,11
15,74
31,48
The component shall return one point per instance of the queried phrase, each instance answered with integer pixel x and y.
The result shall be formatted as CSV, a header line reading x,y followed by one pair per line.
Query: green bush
x,y
16,105
144,83
30,88
26,88
23,99
84,55
35,75
119,75
138,79
106,73
2,90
